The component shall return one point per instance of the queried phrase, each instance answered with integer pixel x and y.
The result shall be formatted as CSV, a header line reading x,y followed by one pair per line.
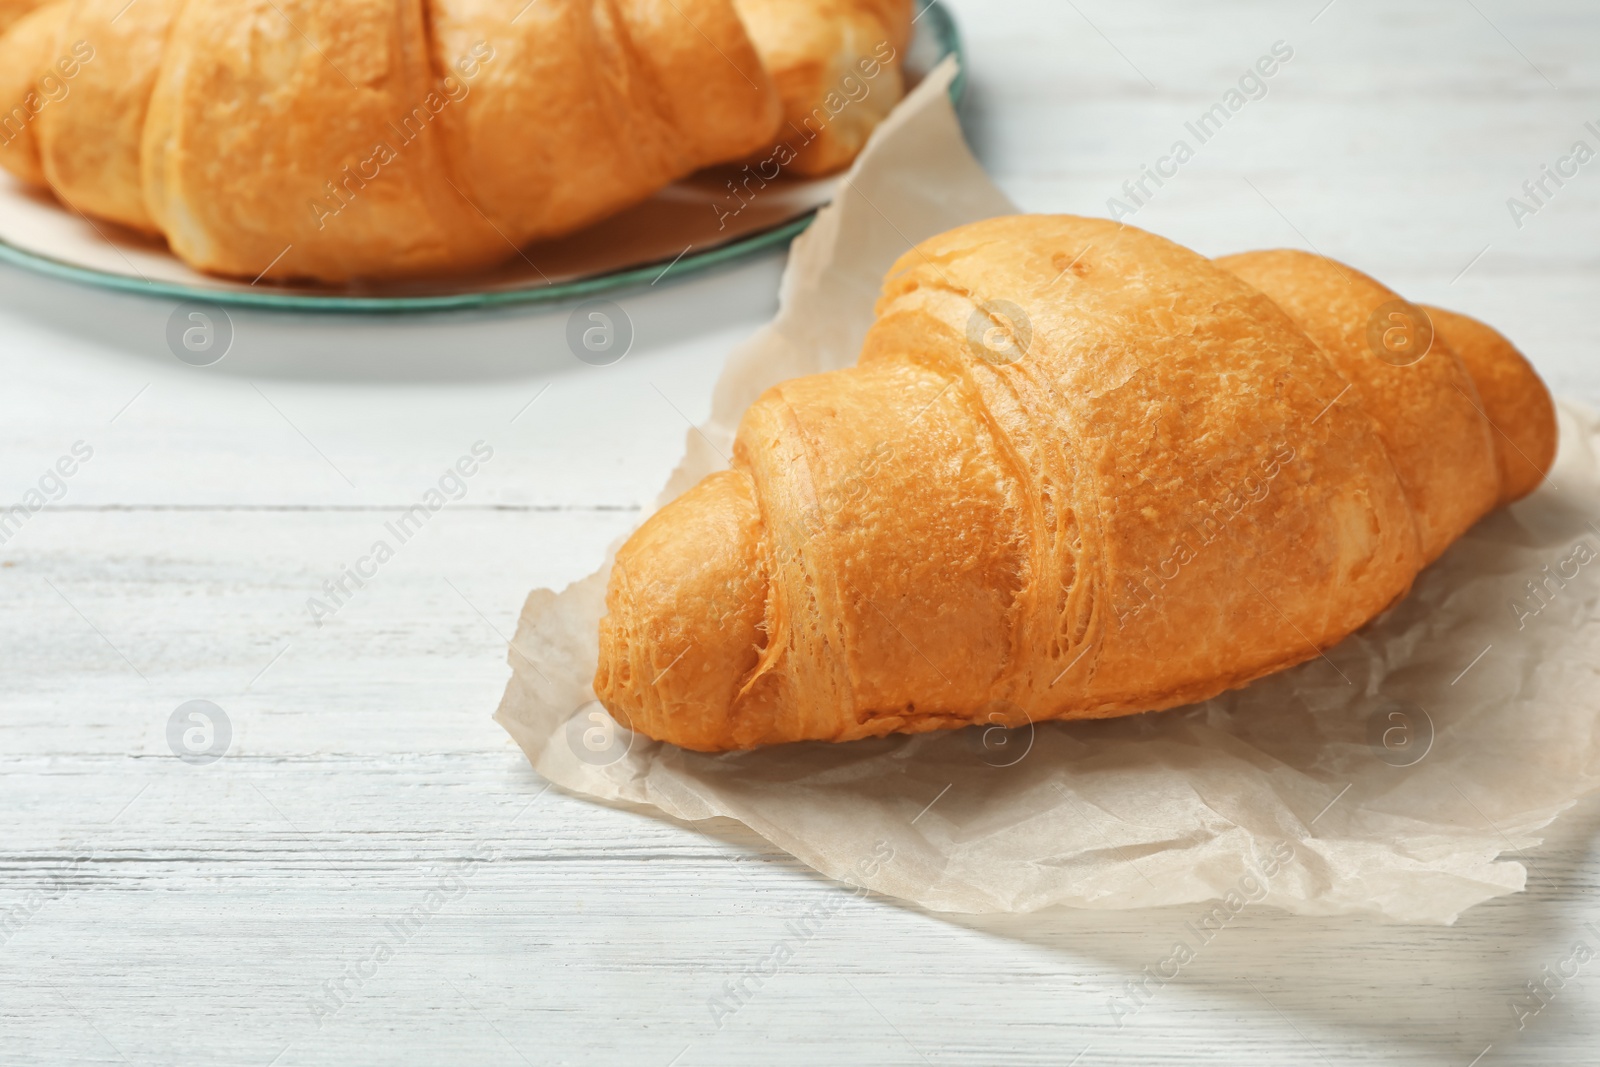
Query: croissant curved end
x,y
1516,403
685,607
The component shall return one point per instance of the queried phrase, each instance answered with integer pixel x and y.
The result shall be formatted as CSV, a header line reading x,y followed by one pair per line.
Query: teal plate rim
x,y
941,24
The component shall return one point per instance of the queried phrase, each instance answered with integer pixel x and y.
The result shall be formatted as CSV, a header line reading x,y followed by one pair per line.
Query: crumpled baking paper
x,y
1385,778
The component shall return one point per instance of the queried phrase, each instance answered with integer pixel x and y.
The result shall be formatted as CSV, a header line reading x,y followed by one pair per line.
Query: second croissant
x,y
336,141
1079,471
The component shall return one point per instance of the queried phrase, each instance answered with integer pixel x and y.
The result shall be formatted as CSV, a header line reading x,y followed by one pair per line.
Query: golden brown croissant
x,y
1078,471
387,138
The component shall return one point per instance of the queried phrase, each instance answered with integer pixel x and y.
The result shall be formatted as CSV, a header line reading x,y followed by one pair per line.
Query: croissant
x,y
1078,471
370,139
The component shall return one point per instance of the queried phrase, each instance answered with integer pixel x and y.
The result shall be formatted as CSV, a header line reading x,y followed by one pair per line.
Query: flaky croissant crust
x,y
1078,471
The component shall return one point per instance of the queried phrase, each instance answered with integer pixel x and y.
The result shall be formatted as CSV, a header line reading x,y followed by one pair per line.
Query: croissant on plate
x,y
339,140
1079,471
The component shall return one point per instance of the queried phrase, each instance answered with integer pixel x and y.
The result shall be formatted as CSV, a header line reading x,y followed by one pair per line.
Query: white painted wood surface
x,y
161,912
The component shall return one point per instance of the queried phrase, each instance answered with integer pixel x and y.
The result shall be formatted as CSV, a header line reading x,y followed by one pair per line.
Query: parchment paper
x,y
1386,778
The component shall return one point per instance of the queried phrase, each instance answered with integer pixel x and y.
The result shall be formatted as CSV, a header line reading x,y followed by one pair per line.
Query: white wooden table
x,y
252,910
